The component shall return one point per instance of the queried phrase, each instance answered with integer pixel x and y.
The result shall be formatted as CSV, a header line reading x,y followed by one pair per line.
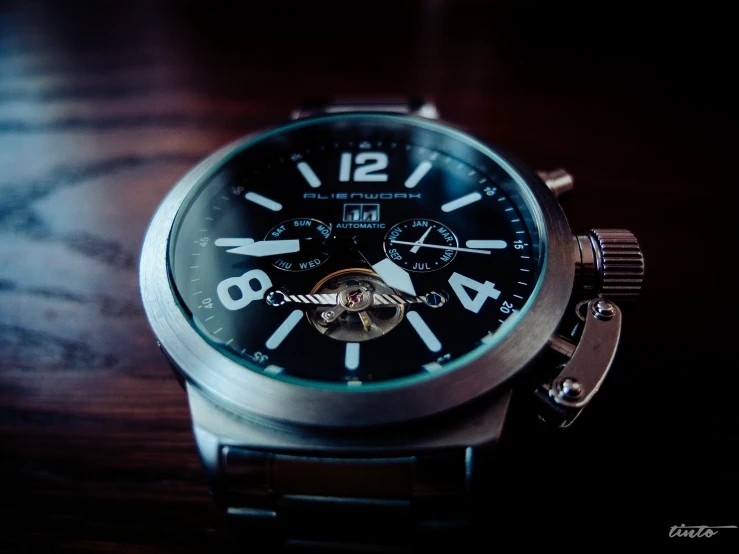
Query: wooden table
x,y
104,106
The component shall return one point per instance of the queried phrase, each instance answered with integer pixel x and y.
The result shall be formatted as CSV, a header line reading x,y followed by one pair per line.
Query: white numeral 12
x,y
370,162
484,291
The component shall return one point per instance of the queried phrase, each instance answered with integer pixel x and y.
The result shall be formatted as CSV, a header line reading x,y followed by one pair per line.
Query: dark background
x,y
103,106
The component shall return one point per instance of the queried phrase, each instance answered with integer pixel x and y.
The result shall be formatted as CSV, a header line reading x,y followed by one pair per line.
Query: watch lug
x,y
208,443
209,447
427,110
581,377
417,107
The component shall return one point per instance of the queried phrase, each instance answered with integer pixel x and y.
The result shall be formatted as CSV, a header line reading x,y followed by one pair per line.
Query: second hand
x,y
440,247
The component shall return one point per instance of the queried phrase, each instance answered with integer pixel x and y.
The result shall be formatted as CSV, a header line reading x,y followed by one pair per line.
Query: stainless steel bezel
x,y
251,394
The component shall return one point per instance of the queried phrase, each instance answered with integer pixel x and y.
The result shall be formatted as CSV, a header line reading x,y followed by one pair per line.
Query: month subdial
x,y
421,245
312,234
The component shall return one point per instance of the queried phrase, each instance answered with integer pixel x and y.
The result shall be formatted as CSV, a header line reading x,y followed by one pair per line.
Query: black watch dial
x,y
356,249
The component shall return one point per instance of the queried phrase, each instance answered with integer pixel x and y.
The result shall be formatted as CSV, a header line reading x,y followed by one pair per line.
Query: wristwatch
x,y
349,300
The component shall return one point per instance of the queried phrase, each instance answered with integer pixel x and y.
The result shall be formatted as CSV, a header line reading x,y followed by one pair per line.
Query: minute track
x,y
366,210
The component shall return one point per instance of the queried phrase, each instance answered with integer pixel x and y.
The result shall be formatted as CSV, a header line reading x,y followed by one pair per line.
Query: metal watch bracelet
x,y
345,503
406,498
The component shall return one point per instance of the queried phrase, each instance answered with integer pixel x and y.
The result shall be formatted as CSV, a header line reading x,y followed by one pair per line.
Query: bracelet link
x,y
311,501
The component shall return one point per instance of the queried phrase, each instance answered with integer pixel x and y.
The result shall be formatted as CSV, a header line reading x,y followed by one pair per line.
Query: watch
x,y
349,300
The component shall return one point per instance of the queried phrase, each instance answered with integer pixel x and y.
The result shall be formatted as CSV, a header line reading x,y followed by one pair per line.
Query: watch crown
x,y
611,264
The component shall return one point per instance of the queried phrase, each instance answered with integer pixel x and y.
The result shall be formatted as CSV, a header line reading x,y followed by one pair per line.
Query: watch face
x,y
354,250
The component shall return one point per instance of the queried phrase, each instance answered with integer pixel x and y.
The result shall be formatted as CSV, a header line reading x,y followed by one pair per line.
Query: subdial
x,y
421,245
312,235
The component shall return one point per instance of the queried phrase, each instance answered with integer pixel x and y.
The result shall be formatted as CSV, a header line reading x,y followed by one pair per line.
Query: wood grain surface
x,y
103,106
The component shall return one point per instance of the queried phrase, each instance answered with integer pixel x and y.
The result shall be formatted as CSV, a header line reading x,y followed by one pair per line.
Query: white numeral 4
x,y
243,283
484,291
370,162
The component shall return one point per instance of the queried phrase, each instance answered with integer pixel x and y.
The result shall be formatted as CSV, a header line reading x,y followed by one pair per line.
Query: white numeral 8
x,y
243,283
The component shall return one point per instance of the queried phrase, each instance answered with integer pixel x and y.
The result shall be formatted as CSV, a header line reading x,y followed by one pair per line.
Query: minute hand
x,y
267,248
441,247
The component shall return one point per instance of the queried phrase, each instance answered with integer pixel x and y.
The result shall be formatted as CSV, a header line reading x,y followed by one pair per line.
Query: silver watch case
x,y
255,396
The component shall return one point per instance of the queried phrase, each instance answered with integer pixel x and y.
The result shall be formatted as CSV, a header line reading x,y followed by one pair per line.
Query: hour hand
x,y
394,276
248,247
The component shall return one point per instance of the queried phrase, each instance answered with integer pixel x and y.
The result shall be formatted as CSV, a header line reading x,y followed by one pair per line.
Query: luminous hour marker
x,y
309,175
426,334
418,174
351,358
461,202
284,329
263,201
492,244
432,366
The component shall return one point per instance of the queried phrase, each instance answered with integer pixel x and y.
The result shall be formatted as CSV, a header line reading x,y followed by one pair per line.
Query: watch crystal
x,y
356,249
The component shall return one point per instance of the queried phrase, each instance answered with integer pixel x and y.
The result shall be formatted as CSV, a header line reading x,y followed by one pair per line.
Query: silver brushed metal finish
x,y
619,263
257,395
